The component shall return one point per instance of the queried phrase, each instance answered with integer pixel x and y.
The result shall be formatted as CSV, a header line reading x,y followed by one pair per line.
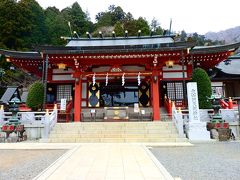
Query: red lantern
x,y
4,128
11,128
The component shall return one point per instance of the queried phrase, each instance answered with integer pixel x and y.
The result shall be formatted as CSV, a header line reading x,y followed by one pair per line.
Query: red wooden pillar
x,y
189,70
78,99
155,95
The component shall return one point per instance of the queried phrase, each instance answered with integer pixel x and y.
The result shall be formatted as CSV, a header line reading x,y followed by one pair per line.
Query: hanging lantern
x,y
8,59
139,79
169,63
106,80
123,79
61,66
94,79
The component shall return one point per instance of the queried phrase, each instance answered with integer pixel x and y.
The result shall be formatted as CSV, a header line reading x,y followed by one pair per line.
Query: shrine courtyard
x,y
215,160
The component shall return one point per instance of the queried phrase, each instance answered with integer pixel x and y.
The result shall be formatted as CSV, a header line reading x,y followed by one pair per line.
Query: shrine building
x,y
117,74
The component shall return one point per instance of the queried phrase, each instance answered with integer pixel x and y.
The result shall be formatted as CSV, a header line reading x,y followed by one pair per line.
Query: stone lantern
x,y
13,107
218,127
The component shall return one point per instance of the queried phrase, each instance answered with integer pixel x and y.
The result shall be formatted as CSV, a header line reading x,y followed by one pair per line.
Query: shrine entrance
x,y
116,95
116,100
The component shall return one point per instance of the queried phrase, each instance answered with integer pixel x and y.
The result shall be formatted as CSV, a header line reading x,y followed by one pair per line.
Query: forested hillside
x,y
24,24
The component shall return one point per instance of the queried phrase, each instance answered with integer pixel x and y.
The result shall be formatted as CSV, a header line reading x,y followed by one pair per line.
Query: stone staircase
x,y
115,132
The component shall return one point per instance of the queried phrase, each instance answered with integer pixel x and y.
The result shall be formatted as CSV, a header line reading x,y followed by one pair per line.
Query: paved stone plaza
x,y
210,161
109,161
94,161
25,164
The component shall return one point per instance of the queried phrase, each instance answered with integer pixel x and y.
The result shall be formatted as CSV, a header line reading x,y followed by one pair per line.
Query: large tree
x,y
142,25
118,28
56,25
10,25
33,23
111,17
79,20
133,26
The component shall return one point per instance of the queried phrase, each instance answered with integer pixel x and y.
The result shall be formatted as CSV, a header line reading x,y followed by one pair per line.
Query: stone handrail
x,y
50,121
1,116
181,117
4,116
24,117
177,118
34,119
53,119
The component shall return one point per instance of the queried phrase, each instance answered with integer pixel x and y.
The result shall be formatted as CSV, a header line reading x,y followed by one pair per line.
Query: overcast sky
x,y
191,15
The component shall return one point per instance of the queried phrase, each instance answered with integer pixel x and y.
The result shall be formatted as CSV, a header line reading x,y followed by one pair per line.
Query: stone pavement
x,y
101,161
203,161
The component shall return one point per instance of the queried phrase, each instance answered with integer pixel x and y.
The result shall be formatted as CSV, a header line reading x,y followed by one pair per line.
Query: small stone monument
x,y
196,130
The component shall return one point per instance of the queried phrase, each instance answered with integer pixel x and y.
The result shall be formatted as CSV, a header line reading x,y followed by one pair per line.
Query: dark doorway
x,y
163,91
116,95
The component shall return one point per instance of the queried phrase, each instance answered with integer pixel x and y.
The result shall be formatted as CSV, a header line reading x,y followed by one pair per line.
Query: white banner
x,y
63,104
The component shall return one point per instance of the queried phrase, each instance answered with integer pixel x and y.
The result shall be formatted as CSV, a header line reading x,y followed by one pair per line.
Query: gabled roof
x,y
129,41
237,56
7,96
116,49
21,54
121,45
231,67
214,49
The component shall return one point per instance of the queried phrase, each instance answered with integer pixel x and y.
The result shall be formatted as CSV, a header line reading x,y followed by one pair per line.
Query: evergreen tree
x,y
131,26
79,19
35,96
142,24
204,87
110,17
32,23
117,14
56,25
119,29
104,19
10,25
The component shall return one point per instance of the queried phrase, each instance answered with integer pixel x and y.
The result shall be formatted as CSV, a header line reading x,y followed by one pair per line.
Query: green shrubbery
x,y
35,96
204,87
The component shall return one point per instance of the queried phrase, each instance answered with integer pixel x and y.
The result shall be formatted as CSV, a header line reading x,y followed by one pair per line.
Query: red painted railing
x,y
230,104
24,107
168,106
63,116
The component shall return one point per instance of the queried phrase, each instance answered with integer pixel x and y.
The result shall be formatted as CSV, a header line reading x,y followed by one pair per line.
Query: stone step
x,y
114,128
103,126
115,124
125,131
113,136
114,140
115,132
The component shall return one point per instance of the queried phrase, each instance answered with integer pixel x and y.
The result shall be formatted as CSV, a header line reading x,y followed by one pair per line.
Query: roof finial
x,y
126,34
88,35
139,33
113,34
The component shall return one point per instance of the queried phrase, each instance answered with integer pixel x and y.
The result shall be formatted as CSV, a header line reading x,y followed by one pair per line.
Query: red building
x,y
114,75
